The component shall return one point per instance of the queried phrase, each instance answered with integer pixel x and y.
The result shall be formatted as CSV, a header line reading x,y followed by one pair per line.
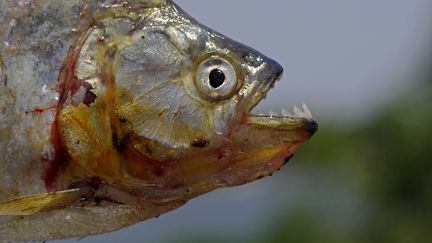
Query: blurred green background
x,y
365,69
384,163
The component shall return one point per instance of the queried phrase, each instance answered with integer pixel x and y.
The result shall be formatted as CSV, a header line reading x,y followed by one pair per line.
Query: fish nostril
x,y
278,71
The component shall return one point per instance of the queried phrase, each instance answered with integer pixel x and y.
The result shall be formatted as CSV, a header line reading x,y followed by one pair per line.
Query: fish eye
x,y
216,78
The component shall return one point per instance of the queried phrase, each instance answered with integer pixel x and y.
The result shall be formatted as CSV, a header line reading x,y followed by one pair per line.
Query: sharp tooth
x,y
297,112
307,111
272,113
285,113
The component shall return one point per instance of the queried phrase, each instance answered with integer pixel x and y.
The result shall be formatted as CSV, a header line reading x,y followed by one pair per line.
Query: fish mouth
x,y
299,119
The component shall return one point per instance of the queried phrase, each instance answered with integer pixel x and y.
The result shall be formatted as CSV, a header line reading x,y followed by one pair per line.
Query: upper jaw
x,y
300,118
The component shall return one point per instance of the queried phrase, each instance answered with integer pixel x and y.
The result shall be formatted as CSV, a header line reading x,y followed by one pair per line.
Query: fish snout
x,y
272,72
276,69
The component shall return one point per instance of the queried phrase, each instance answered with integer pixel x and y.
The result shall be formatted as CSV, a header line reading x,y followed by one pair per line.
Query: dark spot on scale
x,y
120,143
148,150
122,120
78,142
287,159
159,171
115,140
89,97
179,185
200,143
96,201
95,182
222,156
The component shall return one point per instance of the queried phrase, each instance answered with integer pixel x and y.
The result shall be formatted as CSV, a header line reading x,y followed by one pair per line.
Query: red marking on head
x,y
68,83
76,86
39,110
58,163
100,40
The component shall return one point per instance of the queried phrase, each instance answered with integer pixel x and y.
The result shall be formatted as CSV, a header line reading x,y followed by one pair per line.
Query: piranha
x,y
113,112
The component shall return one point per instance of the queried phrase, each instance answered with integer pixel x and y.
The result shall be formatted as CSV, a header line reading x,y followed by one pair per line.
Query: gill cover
x,y
140,90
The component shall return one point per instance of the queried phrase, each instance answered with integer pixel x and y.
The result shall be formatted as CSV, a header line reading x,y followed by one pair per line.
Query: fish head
x,y
172,107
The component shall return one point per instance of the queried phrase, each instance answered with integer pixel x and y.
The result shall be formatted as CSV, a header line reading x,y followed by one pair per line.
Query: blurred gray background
x,y
346,59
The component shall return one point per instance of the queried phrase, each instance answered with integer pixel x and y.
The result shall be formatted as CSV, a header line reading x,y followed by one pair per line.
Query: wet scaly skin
x,y
155,109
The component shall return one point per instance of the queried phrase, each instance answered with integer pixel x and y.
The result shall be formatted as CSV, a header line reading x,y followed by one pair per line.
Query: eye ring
x,y
216,78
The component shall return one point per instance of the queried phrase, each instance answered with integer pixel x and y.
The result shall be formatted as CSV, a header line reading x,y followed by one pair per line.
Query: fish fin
x,y
73,222
88,137
33,204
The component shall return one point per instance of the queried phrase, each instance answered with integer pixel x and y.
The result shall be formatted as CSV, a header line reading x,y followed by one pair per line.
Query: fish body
x,y
113,112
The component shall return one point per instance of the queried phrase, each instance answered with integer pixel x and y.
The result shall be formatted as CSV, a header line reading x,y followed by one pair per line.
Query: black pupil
x,y
217,78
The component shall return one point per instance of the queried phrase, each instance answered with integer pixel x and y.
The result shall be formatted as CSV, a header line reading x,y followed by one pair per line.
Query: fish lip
x,y
284,124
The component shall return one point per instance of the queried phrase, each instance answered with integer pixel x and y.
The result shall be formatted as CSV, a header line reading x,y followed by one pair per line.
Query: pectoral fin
x,y
43,202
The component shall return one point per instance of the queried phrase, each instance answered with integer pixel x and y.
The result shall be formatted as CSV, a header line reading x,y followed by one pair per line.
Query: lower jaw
x,y
254,165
